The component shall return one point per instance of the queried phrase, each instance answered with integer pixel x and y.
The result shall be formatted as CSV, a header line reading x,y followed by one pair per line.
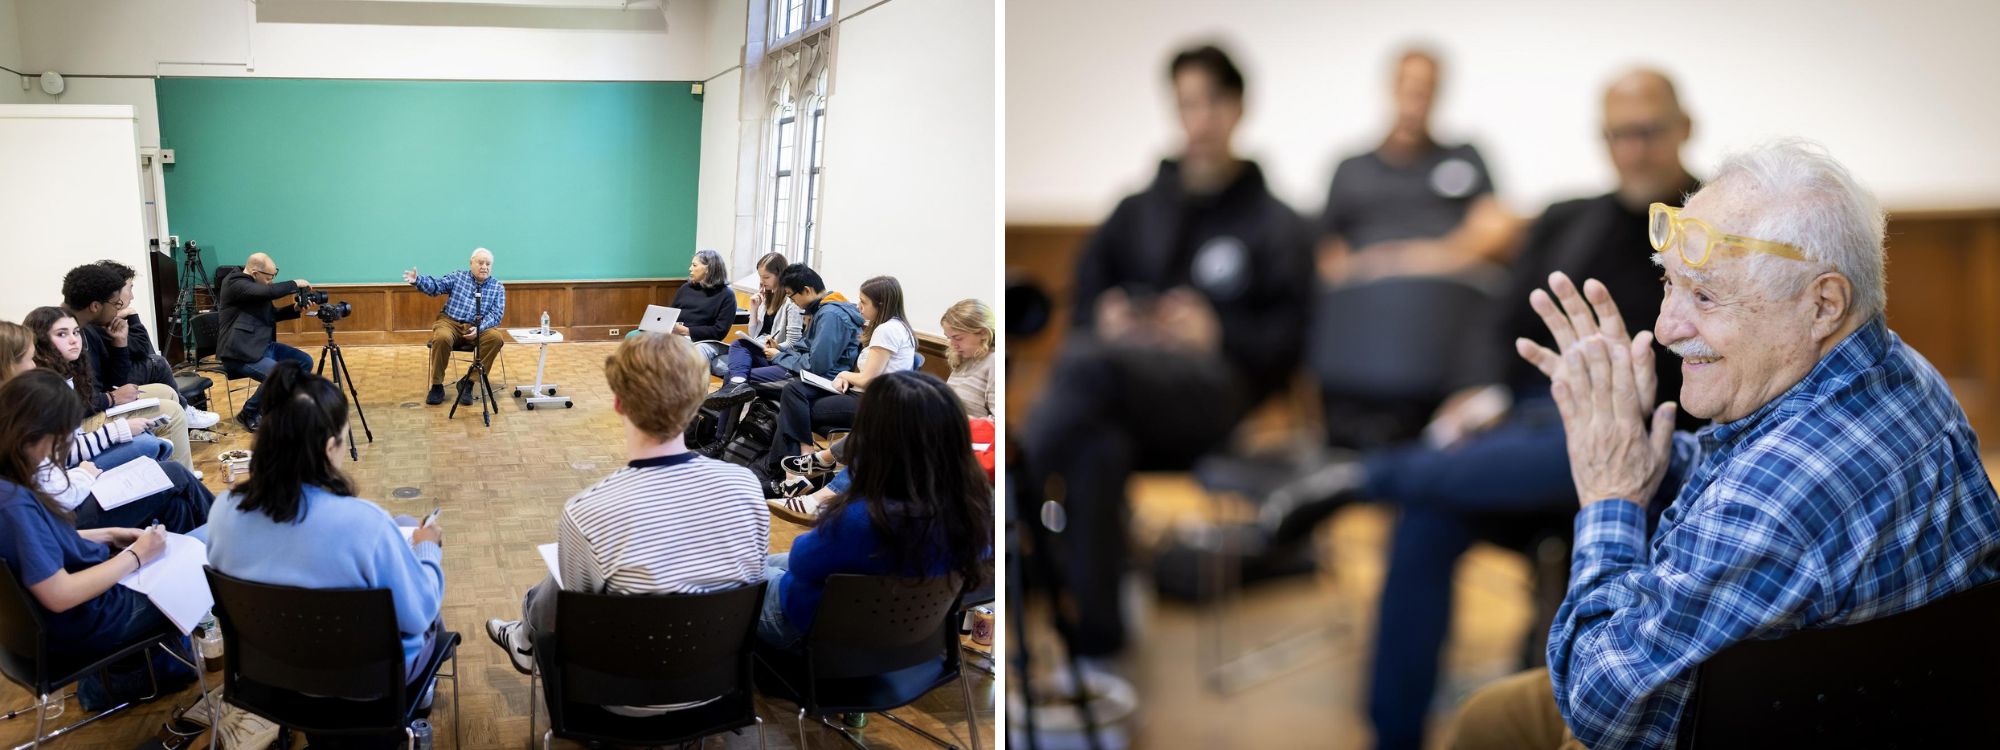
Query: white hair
x,y
478,251
1802,197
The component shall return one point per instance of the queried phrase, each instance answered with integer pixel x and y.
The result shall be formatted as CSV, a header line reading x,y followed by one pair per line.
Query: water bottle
x,y
545,322
209,637
421,728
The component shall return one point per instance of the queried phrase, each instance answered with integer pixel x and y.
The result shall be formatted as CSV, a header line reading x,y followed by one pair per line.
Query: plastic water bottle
x,y
545,322
422,729
209,635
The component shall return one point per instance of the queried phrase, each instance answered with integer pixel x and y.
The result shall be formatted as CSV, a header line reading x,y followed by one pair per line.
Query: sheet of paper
x,y
817,381
131,406
174,582
129,481
548,552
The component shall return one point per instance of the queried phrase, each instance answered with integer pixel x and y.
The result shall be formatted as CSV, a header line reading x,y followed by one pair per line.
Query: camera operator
x,y
477,303
248,327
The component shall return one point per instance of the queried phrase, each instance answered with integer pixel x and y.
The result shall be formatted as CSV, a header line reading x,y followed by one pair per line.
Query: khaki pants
x,y
1514,712
176,428
445,333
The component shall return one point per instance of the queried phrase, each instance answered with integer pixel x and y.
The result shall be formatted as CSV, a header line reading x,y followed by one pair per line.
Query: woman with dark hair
x,y
918,506
72,575
59,347
707,304
296,522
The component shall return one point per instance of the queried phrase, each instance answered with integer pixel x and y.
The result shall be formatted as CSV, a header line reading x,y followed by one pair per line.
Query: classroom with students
x,y
582,373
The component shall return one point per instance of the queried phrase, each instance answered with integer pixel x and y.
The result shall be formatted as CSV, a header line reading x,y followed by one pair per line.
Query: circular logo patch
x,y
1454,178
1222,268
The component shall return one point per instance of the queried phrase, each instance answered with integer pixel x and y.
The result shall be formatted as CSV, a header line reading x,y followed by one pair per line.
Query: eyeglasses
x,y
1666,226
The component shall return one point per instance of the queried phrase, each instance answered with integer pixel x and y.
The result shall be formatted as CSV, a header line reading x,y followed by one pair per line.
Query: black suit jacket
x,y
248,323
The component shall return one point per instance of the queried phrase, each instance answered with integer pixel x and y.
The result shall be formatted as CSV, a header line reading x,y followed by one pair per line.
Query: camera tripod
x,y
331,352
193,277
476,372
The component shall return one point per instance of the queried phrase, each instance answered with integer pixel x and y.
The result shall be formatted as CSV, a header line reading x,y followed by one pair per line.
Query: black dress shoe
x,y
248,420
436,396
465,393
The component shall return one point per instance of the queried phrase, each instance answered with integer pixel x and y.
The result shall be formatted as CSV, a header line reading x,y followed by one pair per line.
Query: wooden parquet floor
x,y
503,488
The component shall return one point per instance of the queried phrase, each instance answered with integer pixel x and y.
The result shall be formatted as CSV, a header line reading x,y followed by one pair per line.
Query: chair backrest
x,y
207,328
1397,338
339,643
22,639
648,650
222,272
1922,678
870,625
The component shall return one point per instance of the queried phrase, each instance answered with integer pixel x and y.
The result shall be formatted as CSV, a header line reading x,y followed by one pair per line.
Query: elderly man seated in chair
x,y
1839,483
477,303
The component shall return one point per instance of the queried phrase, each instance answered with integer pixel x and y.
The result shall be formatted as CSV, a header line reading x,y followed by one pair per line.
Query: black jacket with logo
x,y
1244,250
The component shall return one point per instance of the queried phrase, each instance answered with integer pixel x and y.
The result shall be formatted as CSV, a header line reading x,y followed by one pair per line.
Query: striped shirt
x,y
679,524
1857,494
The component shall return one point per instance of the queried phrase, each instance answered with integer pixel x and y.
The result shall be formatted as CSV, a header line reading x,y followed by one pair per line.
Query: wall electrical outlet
x,y
614,331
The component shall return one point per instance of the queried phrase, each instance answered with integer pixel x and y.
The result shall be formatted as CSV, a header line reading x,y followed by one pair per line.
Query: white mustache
x,y
1693,349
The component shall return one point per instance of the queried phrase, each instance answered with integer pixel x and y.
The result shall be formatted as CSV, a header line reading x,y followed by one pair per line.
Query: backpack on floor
x,y
752,435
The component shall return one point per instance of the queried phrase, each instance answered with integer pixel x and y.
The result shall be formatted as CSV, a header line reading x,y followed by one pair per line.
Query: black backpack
x,y
752,436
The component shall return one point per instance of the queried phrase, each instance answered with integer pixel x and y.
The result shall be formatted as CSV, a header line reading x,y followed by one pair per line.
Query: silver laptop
x,y
660,319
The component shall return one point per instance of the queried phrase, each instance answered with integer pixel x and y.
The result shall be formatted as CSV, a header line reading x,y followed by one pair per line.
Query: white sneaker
x,y
799,510
201,420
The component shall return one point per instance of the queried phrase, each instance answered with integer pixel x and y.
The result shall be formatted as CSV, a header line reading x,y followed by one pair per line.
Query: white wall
x,y
10,55
1900,92
69,195
715,225
909,153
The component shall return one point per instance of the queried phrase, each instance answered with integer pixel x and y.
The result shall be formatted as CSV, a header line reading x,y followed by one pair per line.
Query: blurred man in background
x,y
1190,308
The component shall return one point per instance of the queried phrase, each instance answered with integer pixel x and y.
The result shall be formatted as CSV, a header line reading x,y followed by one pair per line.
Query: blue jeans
x,y
182,509
747,361
261,369
126,679
772,627
143,445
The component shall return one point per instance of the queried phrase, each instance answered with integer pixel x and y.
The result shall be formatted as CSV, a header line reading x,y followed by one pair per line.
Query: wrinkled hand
x,y
1185,318
123,394
410,276
1603,383
120,331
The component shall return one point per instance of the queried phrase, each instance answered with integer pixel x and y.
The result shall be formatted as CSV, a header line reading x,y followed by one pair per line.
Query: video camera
x,y
327,313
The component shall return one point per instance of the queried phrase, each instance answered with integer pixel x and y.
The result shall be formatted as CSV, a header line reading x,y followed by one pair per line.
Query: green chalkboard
x,y
354,181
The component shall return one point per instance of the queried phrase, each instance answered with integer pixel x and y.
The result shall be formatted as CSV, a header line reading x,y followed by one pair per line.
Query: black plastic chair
x,y
324,661
1921,678
641,650
206,333
878,643
25,659
1386,353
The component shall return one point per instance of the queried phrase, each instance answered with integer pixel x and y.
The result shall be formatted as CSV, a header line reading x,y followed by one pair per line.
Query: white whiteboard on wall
x,y
69,195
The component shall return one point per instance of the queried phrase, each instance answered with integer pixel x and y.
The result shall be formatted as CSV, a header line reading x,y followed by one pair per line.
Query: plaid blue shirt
x,y
462,307
1857,494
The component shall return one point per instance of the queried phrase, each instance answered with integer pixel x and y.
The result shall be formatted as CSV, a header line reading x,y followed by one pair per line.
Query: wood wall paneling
x,y
1944,300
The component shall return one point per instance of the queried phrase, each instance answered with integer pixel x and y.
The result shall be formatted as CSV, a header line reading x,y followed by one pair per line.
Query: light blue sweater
x,y
337,542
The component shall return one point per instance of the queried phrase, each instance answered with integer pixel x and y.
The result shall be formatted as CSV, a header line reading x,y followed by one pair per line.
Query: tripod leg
x,y
354,396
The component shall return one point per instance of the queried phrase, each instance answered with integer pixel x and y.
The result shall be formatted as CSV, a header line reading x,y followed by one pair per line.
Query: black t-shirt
x,y
1372,201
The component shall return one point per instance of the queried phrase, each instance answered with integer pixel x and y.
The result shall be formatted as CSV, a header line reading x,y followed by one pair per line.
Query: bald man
x,y
247,329
1494,463
477,303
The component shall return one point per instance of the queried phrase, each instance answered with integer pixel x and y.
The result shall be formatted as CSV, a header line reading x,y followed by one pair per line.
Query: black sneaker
x,y
465,392
436,396
807,465
730,394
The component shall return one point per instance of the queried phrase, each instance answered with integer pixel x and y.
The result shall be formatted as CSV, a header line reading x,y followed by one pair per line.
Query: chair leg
x,y
201,681
534,703
761,743
939,741
546,736
802,728
971,712
41,719
457,734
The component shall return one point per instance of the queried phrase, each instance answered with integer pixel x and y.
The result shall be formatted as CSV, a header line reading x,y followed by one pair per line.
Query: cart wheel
x,y
531,407
517,393
552,390
569,404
